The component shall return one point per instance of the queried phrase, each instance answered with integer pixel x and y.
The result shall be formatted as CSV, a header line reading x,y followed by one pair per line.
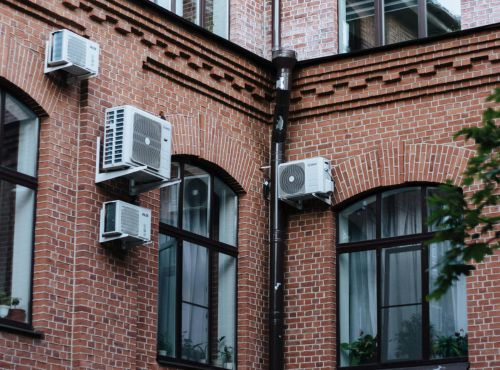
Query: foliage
x,y
222,351
362,350
410,338
6,300
189,350
450,346
163,344
459,216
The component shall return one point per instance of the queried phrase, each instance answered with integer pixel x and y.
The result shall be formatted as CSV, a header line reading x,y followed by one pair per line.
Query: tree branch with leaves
x,y
463,220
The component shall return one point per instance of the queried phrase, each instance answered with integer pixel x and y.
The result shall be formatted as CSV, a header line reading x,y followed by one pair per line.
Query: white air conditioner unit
x,y
305,179
73,54
121,220
134,138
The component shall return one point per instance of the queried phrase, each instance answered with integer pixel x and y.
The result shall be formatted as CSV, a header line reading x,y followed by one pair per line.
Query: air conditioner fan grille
x,y
77,51
146,147
130,220
292,179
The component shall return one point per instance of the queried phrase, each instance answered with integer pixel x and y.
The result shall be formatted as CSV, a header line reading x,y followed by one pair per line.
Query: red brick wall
x,y
477,13
385,119
97,304
382,118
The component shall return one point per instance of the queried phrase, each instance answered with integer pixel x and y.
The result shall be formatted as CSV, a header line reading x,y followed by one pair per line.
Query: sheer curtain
x,y
402,303
195,298
401,212
448,315
167,272
359,221
357,298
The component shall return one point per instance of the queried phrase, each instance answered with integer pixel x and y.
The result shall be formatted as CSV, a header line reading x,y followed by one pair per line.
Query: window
x,y
370,23
384,273
197,270
18,183
212,15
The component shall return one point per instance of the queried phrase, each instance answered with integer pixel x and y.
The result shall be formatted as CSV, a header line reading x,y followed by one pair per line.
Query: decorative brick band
x,y
203,137
394,163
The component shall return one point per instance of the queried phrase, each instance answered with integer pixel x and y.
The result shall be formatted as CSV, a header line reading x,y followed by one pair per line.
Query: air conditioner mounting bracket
x,y
294,203
134,188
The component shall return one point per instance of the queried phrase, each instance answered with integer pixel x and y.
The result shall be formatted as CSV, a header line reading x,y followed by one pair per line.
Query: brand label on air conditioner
x,y
311,164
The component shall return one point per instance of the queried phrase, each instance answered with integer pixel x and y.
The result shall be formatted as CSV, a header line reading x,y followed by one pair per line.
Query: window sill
x,y
23,331
168,361
441,364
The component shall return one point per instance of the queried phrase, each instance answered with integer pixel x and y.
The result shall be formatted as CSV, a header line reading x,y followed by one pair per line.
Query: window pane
x,y
443,16
225,214
401,287
16,240
401,213
402,333
216,14
194,302
357,26
358,304
401,275
164,3
430,192
401,20
195,274
448,316
358,222
169,200
20,146
167,278
194,333
190,10
196,200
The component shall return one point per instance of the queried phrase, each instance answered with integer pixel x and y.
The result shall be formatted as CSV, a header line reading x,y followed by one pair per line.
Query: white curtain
x,y
401,212
357,298
448,315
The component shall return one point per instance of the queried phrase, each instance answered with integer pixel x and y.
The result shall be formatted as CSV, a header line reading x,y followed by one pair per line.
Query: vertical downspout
x,y
284,61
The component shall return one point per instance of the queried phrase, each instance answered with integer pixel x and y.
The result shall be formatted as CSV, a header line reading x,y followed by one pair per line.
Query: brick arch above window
x,y
22,72
397,162
203,137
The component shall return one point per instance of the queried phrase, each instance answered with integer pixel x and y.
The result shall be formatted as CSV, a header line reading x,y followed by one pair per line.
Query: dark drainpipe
x,y
284,60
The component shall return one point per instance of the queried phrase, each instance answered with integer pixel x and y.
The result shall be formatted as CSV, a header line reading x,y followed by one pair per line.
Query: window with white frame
x,y
212,15
18,184
385,272
197,270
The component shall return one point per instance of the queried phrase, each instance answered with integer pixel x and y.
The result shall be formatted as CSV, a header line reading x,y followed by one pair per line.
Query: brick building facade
x,y
384,118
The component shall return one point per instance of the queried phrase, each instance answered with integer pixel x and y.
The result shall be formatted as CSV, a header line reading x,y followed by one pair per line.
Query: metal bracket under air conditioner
x,y
134,188
327,198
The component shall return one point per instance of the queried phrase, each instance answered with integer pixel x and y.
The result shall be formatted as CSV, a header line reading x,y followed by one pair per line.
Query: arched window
x,y
18,183
384,273
197,270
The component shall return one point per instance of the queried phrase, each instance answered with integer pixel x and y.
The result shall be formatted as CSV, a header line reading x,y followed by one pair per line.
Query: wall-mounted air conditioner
x,y
121,220
305,179
73,54
134,138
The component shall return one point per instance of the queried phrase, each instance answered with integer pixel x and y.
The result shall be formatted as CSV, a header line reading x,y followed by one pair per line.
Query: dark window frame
x,y
213,246
201,14
378,244
379,24
30,182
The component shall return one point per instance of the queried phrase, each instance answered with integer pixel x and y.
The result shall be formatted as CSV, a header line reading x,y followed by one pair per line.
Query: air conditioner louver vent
x,y
146,146
77,51
130,220
292,179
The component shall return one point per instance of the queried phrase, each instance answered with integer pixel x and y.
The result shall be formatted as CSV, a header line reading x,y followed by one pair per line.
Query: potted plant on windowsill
x,y
163,346
227,354
4,304
217,358
16,314
5,307
361,351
